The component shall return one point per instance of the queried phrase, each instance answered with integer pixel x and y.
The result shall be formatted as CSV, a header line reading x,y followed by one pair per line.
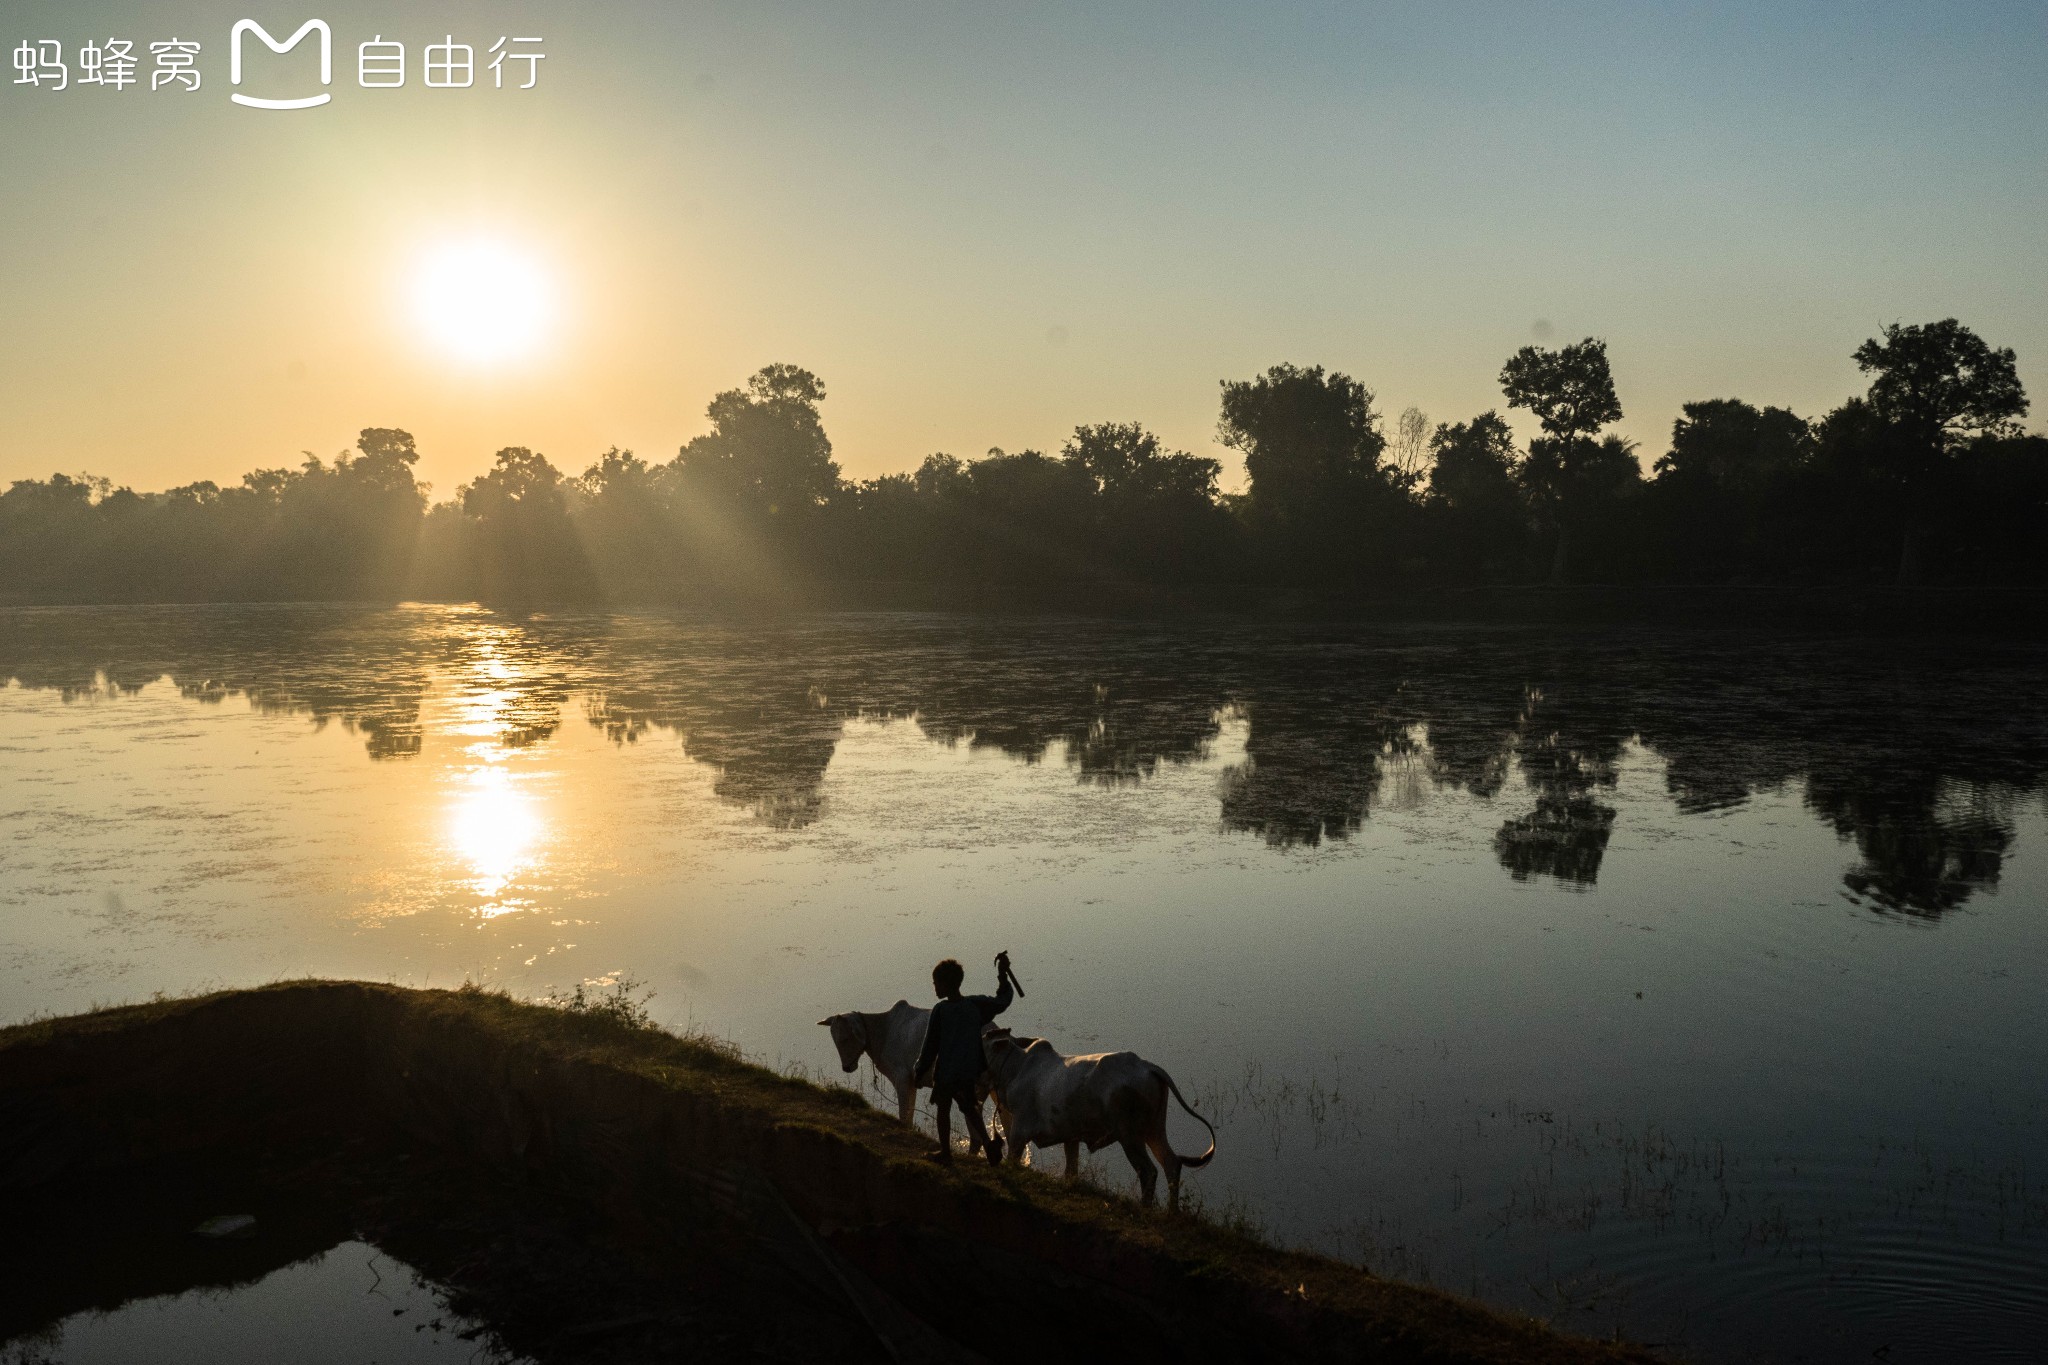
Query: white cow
x,y
892,1038
1049,1099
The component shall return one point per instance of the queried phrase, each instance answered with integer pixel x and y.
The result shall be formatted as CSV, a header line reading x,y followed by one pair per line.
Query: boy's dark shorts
x,y
962,1095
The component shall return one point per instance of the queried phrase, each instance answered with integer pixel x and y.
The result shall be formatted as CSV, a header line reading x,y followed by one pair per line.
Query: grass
x,y
603,1034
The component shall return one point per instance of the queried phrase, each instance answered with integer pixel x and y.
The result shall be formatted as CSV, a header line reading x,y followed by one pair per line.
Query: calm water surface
x,y
351,1305
1687,985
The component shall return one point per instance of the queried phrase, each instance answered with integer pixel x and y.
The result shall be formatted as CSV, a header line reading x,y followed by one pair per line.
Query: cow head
x,y
850,1036
1004,1051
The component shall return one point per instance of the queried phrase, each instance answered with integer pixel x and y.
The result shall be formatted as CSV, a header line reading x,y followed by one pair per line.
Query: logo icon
x,y
235,61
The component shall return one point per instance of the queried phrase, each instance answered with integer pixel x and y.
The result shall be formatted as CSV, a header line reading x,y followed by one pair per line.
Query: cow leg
x,y
906,1102
1172,1162
1073,1171
1014,1153
1148,1174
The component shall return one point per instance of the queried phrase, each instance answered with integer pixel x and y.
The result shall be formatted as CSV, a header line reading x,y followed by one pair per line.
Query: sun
x,y
483,302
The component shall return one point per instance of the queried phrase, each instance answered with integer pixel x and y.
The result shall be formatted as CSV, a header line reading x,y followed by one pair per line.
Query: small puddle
x,y
349,1305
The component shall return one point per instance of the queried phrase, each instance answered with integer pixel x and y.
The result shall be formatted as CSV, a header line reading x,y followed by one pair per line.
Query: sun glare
x,y
483,302
495,829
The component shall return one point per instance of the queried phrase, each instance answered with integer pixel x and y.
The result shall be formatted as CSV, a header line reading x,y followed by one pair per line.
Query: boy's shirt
x,y
952,1039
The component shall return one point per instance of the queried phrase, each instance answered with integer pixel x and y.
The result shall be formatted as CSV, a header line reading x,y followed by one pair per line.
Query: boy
x,y
952,1050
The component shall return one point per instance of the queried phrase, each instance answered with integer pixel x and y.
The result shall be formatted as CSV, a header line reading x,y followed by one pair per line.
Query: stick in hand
x,y
1003,970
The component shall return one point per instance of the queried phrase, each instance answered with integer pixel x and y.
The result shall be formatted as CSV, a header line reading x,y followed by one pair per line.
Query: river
x,y
1682,984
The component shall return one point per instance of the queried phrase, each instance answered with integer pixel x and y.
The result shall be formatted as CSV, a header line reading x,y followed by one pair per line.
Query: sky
x,y
984,223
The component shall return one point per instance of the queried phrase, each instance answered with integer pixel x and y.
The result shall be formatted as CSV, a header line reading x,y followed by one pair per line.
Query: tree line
x,y
1926,477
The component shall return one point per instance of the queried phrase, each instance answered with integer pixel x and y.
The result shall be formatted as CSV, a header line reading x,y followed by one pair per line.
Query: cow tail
x,y
1193,1163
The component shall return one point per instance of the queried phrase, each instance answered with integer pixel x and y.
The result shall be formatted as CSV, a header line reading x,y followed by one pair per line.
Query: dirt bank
x,y
441,1118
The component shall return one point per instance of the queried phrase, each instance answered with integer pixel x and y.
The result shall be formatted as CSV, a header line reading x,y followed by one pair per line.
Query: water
x,y
351,1305
1686,985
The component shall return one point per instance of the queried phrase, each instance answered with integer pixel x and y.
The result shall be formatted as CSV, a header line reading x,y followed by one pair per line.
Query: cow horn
x,y
827,1023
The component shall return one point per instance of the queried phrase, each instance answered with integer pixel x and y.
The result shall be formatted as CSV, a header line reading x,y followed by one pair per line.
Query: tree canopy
x,y
1927,472
1941,382
1570,390
767,451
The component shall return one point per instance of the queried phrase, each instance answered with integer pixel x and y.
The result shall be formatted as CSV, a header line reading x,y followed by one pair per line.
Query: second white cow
x,y
1053,1100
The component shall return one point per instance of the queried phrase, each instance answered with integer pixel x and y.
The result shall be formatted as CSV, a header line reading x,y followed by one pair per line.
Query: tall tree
x,y
1472,463
1937,385
1729,490
1474,503
766,454
1156,513
525,547
1729,444
1571,392
1312,448
1127,464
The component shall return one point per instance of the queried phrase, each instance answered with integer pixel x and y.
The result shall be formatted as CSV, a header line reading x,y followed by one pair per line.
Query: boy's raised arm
x,y
991,1007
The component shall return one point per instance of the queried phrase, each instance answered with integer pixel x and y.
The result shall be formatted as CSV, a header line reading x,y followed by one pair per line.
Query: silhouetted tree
x,y
1126,465
1727,444
1320,495
1475,501
356,522
1936,385
1571,392
2001,510
621,511
525,547
766,455
1156,513
1031,514
1930,463
1727,493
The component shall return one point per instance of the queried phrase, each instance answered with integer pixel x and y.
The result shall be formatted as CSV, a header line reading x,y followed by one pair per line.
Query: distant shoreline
x,y
1918,610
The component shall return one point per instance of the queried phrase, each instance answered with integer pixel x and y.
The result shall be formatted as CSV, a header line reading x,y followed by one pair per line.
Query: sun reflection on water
x,y
497,830
483,713
495,823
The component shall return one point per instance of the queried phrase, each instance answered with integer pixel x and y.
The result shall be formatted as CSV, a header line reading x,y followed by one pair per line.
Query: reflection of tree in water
x,y
1564,837
511,678
1927,844
1915,762
770,748
387,718
1910,752
1114,726
1471,747
362,668
1311,767
768,706
1568,751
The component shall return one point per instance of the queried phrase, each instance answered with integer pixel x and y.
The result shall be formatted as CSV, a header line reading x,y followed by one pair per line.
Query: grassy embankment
x,y
684,1164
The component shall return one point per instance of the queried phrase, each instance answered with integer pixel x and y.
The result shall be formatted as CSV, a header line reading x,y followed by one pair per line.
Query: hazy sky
x,y
982,223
